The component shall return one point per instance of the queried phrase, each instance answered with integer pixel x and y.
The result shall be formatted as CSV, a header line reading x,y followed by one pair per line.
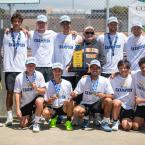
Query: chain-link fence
x,y
94,14
82,13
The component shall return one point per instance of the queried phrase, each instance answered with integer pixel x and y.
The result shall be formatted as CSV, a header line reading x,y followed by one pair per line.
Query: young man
x,y
57,97
29,90
42,45
124,97
135,46
14,57
111,46
65,43
97,96
139,84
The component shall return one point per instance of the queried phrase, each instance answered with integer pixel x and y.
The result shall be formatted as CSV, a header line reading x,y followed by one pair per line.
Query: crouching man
x,y
58,98
97,96
29,90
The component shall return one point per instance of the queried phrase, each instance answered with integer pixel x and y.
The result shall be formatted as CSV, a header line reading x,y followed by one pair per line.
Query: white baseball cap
x,y
41,18
139,24
89,27
112,19
65,18
31,60
95,62
57,65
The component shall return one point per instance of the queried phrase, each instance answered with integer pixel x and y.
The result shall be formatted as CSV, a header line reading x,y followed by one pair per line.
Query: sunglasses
x,y
89,33
65,23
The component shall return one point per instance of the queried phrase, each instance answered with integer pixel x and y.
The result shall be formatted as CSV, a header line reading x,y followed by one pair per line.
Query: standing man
x,y
29,91
90,51
14,57
42,45
135,46
97,96
111,46
65,43
57,97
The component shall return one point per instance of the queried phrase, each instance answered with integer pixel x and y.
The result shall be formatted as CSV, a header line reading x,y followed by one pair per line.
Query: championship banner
x,y
136,12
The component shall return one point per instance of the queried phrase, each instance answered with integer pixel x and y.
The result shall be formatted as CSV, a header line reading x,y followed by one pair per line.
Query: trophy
x,y
78,60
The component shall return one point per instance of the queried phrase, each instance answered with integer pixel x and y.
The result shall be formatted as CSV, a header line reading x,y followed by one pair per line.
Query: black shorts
x,y
10,80
47,72
93,108
59,111
78,99
140,112
72,79
29,108
105,75
126,113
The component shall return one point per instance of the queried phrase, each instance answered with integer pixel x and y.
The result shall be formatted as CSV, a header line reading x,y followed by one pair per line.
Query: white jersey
x,y
85,86
135,49
64,93
124,91
139,84
14,57
22,85
112,55
42,45
64,48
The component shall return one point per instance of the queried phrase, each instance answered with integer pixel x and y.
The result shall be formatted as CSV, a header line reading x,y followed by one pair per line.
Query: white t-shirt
x,y
111,56
64,93
42,45
64,48
85,86
23,85
139,84
124,91
14,58
135,49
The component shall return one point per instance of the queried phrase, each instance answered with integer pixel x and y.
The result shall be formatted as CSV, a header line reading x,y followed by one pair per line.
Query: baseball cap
x,y
139,24
89,27
31,60
57,65
41,18
65,18
95,62
112,19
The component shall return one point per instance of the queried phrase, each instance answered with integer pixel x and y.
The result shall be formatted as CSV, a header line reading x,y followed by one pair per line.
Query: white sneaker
x,y
36,127
1,125
115,125
9,122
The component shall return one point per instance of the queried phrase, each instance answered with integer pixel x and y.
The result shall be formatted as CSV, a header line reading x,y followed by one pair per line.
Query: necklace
x,y
15,43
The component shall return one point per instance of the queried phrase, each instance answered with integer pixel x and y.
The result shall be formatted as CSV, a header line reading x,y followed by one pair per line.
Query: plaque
x,y
78,60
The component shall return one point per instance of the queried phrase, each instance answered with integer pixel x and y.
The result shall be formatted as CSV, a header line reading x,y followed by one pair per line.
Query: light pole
x,y
73,5
107,12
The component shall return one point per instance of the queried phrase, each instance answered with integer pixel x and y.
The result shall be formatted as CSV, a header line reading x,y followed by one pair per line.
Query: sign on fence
x,y
136,12
18,1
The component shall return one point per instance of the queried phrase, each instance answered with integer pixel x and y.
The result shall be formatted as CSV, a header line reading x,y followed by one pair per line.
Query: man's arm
x,y
17,100
39,90
103,95
139,100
